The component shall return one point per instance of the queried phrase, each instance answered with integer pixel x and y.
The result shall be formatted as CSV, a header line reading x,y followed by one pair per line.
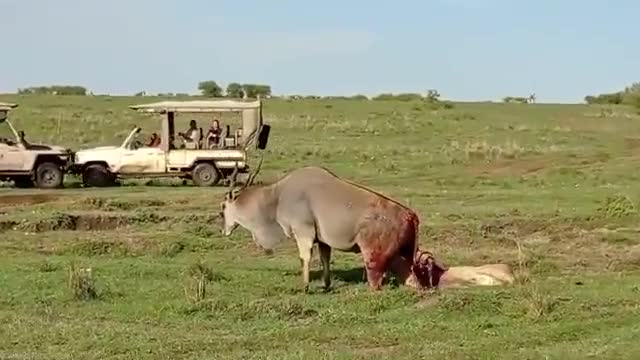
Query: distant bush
x,y
54,90
603,99
398,97
384,97
515,99
334,98
431,96
408,97
448,105
359,97
629,96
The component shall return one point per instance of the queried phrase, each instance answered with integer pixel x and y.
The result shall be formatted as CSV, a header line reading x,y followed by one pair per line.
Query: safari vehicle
x,y
204,165
27,164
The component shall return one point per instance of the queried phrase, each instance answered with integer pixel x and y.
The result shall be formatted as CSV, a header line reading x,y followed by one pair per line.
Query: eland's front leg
x,y
305,249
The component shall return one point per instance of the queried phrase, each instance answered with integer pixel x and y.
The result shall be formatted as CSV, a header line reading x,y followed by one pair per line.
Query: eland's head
x,y
229,206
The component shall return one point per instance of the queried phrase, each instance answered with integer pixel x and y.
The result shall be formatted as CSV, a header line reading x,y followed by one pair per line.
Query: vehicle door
x,y
11,157
144,160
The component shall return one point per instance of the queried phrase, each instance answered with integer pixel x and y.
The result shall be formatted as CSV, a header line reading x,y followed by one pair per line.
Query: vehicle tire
x,y
22,182
49,176
97,176
205,174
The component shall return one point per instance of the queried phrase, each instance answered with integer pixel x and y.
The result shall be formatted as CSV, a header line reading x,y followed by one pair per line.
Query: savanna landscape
x,y
142,271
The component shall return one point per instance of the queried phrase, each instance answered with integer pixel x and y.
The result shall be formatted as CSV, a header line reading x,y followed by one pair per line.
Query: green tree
x,y
433,95
253,90
234,90
210,88
55,90
631,95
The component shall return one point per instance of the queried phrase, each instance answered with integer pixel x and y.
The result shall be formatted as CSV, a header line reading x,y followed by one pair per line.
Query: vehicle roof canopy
x,y
7,106
251,112
197,106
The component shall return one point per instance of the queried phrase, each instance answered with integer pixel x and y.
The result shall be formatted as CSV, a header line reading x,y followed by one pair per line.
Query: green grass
x,y
558,179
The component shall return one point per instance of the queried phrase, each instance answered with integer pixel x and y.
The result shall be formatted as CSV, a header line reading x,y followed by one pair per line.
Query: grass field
x,y
560,180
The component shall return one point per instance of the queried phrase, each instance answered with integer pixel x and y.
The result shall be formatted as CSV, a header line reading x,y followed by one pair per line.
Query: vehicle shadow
x,y
140,184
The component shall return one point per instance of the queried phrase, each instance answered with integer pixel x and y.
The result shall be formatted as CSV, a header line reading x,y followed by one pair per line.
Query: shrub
x,y
81,283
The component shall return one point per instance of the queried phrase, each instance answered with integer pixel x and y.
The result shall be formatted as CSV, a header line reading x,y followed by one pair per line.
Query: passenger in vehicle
x,y
192,134
154,141
214,134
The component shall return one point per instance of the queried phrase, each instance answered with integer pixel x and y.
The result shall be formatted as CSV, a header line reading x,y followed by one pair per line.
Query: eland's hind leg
x,y
325,257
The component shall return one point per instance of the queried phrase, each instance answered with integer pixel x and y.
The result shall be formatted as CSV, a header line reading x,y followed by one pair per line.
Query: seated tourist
x,y
192,134
154,141
214,134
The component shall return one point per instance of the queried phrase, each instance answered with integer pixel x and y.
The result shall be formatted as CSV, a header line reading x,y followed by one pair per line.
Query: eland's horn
x,y
253,175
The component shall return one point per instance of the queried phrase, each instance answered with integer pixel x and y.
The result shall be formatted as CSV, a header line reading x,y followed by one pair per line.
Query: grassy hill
x,y
559,180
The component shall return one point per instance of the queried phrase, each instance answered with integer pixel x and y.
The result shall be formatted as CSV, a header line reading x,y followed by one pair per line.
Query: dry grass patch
x,y
81,283
198,277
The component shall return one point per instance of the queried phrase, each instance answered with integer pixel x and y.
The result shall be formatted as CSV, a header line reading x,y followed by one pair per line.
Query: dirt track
x,y
26,199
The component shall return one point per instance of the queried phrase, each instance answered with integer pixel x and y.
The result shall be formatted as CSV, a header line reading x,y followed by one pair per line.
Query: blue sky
x,y
467,49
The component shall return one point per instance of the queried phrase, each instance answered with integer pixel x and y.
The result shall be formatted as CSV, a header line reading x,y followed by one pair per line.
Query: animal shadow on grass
x,y
353,275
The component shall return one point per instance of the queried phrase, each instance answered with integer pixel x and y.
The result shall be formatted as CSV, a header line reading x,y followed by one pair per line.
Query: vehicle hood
x,y
103,153
56,148
43,147
98,149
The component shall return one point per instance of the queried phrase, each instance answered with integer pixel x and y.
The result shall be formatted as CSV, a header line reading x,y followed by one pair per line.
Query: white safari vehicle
x,y
170,157
29,164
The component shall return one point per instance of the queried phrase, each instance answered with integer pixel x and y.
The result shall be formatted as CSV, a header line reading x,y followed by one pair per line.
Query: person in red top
x,y
154,141
214,134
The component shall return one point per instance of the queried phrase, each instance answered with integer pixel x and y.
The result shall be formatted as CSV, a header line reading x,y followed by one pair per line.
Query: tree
x,y
433,95
210,88
54,90
234,90
253,90
631,95
359,97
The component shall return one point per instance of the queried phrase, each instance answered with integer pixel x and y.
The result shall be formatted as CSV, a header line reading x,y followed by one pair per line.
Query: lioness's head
x,y
427,269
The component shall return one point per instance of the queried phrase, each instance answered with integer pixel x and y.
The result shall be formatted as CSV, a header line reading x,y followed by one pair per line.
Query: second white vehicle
x,y
205,166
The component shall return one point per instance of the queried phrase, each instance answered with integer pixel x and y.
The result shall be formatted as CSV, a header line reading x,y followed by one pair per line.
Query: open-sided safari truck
x,y
27,164
171,157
